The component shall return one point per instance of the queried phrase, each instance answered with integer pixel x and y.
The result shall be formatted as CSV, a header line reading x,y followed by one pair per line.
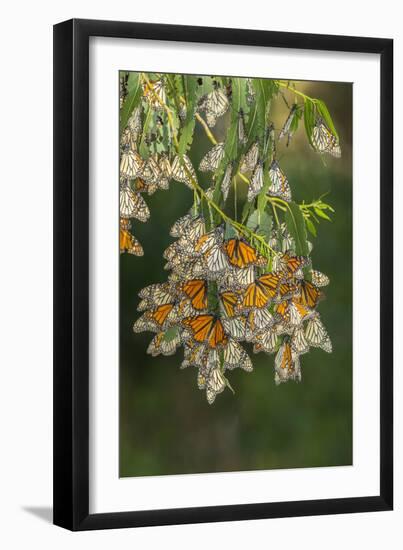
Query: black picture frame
x,y
71,274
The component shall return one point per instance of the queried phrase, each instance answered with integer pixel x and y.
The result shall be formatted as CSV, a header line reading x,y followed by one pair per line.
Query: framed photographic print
x,y
223,295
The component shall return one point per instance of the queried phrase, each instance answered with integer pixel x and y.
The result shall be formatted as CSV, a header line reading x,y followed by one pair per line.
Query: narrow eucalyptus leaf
x,y
294,220
132,100
324,113
322,214
311,227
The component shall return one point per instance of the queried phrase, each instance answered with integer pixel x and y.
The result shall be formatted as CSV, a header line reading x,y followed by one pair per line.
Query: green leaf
x,y
309,119
260,223
311,227
321,214
170,334
265,225
294,220
148,120
212,298
186,137
231,140
174,90
132,100
324,113
253,220
247,208
230,232
295,119
264,90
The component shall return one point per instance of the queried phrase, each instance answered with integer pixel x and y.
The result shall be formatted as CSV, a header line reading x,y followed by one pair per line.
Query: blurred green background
x,y
166,425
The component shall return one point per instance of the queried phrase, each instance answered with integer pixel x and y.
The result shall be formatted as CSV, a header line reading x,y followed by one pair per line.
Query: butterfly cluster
x,y
235,286
222,292
140,175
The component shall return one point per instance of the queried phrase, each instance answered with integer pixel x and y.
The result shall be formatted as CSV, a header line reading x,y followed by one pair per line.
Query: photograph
x,y
235,277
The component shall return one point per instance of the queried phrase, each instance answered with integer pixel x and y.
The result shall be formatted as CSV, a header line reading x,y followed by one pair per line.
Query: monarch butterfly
x,y
123,80
140,186
236,356
241,277
134,124
196,290
132,205
150,171
127,141
266,341
242,137
292,265
178,228
287,130
262,291
157,293
189,230
279,183
183,171
130,163
299,343
256,183
212,238
208,329
235,327
316,335
250,97
324,141
226,181
193,355
173,252
241,254
286,291
153,320
282,234
292,312
154,92
214,104
159,344
127,241
182,112
251,158
309,294
287,365
212,158
166,171
319,279
229,301
215,384
216,260
183,309
258,320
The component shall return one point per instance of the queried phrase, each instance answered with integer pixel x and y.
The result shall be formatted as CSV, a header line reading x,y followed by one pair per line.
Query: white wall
x,y
25,300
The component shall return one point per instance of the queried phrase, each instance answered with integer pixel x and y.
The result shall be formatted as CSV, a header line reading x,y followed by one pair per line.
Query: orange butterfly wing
x,y
229,301
292,263
217,335
282,309
196,290
310,294
302,310
206,328
270,282
200,326
255,296
240,254
161,313
127,241
286,359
